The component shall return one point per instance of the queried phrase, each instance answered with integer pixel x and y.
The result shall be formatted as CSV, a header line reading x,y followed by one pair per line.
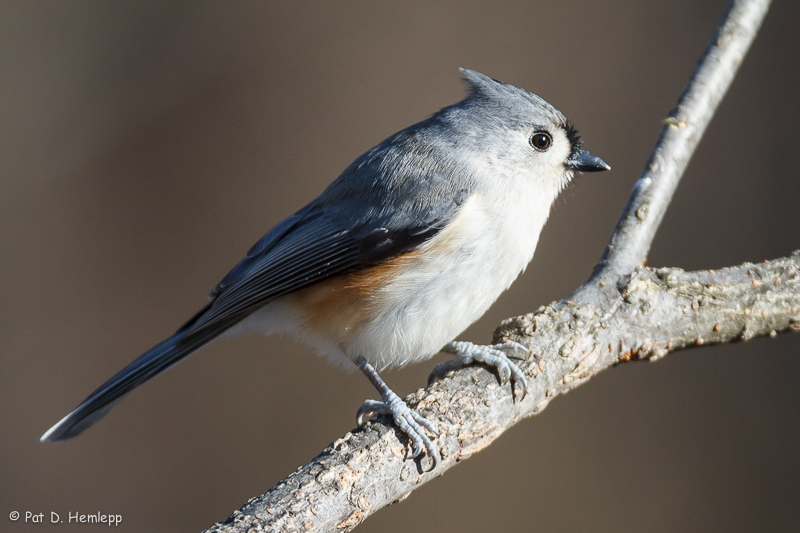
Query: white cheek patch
x,y
561,149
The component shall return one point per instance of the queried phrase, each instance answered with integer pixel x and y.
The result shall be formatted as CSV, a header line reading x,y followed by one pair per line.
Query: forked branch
x,y
624,312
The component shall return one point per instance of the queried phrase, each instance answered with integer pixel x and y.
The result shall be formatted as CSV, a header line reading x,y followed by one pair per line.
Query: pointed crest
x,y
483,87
477,81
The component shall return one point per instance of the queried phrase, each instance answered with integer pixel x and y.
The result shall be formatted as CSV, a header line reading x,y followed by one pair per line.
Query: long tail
x,y
144,368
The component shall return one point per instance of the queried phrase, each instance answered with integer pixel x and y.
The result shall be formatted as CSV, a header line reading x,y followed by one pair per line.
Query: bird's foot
x,y
497,356
407,420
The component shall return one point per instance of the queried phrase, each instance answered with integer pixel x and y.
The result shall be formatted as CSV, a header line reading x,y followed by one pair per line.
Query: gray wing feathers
x,y
388,202
262,246
313,252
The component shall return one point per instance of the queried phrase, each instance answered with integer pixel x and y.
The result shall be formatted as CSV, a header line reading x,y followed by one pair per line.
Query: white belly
x,y
460,273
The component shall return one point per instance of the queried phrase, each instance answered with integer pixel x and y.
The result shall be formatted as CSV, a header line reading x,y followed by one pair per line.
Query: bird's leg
x,y
410,422
496,356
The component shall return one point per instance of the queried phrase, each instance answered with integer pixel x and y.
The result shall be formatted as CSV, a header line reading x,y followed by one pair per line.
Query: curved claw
x,y
370,409
519,377
504,370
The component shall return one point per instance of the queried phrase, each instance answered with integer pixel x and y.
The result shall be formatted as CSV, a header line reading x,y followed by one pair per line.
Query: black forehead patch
x,y
571,132
575,141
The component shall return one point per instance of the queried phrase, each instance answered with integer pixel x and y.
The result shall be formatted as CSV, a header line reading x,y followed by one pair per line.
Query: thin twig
x,y
630,243
624,312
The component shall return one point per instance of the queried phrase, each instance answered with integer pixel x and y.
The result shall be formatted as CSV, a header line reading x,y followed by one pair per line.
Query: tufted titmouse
x,y
410,245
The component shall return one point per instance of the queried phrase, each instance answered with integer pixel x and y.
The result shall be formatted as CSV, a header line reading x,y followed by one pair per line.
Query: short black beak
x,y
584,161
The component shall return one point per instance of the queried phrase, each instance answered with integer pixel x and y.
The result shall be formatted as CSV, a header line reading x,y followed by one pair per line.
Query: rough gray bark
x,y
649,314
624,312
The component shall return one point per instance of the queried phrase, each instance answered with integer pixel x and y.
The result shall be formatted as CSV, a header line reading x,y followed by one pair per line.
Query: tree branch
x,y
679,138
624,312
654,312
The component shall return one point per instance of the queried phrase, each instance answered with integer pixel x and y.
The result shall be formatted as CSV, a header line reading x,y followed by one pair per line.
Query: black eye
x,y
541,141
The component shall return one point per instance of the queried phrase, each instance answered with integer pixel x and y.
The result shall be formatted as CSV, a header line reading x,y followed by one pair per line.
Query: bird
x,y
411,244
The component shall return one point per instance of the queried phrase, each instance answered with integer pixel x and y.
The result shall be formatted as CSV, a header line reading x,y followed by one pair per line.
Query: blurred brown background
x,y
144,146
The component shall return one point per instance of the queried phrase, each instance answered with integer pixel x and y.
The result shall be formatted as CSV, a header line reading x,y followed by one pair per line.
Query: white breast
x,y
460,273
